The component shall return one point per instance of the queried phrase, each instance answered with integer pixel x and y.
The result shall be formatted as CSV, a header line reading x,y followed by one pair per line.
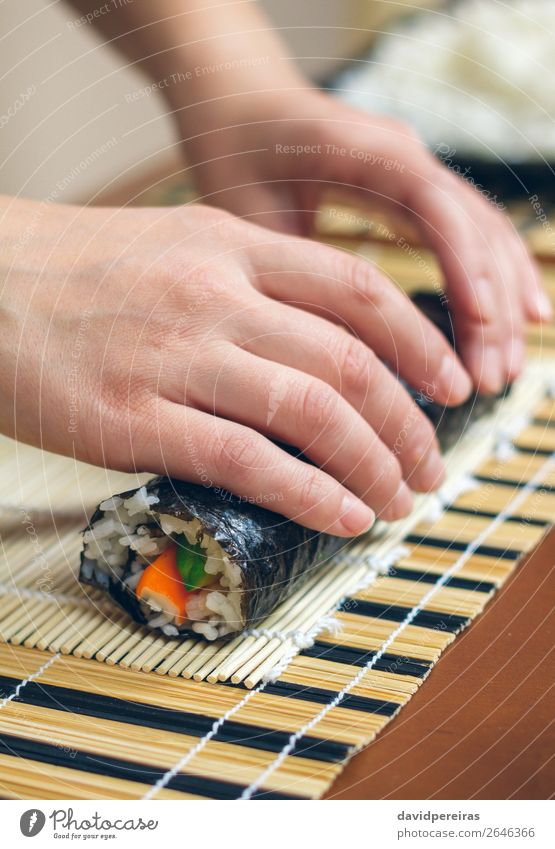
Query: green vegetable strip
x,y
190,561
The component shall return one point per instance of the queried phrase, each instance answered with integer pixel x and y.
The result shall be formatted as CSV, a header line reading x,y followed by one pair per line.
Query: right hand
x,y
181,341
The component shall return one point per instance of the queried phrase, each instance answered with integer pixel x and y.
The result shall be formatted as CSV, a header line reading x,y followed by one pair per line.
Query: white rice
x,y
477,79
128,525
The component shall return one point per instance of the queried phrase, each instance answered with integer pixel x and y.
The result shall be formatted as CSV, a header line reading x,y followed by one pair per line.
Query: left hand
x,y
270,161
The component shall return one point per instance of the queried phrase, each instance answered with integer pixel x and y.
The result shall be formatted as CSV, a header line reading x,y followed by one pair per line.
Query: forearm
x,y
212,55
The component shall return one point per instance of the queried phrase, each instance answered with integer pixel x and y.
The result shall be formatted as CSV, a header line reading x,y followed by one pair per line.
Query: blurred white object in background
x,y
478,77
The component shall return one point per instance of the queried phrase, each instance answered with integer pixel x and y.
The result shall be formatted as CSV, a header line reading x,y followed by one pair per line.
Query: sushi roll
x,y
186,559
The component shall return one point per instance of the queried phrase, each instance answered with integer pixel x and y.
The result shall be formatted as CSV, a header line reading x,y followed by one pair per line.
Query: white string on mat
x,y
504,447
41,514
188,756
504,450
38,595
29,678
304,639
527,489
301,639
381,564
59,598
378,564
448,493
325,623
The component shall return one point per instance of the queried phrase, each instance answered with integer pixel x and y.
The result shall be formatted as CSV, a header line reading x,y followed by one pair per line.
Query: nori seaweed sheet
x,y
449,422
275,555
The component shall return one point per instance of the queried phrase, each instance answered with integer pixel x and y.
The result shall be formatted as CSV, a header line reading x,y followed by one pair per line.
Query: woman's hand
x,y
270,155
182,341
264,144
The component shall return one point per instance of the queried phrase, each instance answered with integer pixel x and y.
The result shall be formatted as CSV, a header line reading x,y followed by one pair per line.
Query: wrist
x,y
242,120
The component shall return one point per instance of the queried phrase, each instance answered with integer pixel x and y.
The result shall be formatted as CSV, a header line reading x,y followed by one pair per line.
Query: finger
x,y
538,306
528,283
494,352
462,229
438,204
312,345
514,267
535,300
510,307
482,355
480,282
191,445
299,410
509,297
480,279
352,291
462,250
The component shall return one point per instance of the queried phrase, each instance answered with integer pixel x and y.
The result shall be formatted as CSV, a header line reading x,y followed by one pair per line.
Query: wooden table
x,y
482,725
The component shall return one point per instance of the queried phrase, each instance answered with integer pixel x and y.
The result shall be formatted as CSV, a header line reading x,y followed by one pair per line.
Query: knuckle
x,y
222,224
416,436
390,475
212,214
425,432
210,281
208,211
238,454
356,365
215,292
318,406
384,474
127,389
367,286
117,434
312,490
141,432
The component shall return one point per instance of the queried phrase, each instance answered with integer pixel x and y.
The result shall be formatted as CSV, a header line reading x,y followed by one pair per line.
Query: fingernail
x,y
356,517
430,472
399,506
492,379
515,356
543,306
485,299
454,380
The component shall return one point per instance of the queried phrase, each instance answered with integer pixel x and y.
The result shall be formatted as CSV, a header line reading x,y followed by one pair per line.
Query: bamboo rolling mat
x,y
93,706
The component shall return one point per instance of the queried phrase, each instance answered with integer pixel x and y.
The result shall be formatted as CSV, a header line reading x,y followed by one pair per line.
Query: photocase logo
x,y
32,822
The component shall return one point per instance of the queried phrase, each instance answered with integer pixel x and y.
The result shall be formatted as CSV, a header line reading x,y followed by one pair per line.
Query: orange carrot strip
x,y
161,582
